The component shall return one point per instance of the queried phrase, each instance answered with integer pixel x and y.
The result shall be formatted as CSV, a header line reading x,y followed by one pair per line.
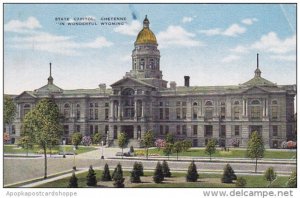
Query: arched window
x,y
151,63
274,102
142,64
195,104
255,102
208,103
222,110
274,110
128,92
208,110
77,111
236,102
255,110
195,110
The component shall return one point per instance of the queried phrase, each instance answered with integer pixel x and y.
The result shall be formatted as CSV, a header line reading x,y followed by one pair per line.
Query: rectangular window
x,y
255,113
161,104
106,104
161,129
91,129
236,130
223,112
275,131
208,130
195,113
77,128
161,113
184,130
78,114
115,132
91,114
195,129
167,113
66,130
106,129
183,113
183,104
236,113
178,129
13,129
178,103
274,112
96,114
223,131
96,104
166,129
208,113
177,113
106,114
96,129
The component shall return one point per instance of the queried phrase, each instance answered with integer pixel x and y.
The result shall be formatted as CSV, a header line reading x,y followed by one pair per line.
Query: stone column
x,y
135,109
119,110
267,108
143,109
264,107
111,109
246,106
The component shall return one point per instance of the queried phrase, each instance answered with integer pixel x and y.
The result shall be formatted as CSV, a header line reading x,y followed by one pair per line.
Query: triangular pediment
x,y
130,82
255,90
26,95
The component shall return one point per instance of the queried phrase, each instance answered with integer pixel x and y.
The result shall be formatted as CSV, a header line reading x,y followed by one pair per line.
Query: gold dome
x,y
146,36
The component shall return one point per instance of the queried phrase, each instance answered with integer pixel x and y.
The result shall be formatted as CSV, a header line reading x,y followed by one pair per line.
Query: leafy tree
x,y
135,174
167,150
210,148
26,143
228,174
255,149
122,141
166,169
158,176
170,138
73,181
292,182
9,110
118,177
131,150
186,145
76,139
192,174
91,177
140,168
106,174
240,182
177,148
97,137
42,125
270,175
148,141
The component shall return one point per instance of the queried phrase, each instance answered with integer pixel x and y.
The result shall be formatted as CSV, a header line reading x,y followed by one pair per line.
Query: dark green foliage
x,y
158,176
148,141
240,182
106,174
167,149
76,139
177,148
292,182
73,181
97,137
210,148
131,150
170,138
192,174
118,177
166,169
140,168
228,174
255,148
270,175
186,145
91,177
122,141
135,174
9,110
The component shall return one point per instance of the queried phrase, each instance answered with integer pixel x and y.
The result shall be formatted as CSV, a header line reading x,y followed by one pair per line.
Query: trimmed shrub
x,y
106,174
118,177
140,168
192,174
270,175
240,182
228,174
166,169
91,177
135,174
292,182
131,150
73,181
158,176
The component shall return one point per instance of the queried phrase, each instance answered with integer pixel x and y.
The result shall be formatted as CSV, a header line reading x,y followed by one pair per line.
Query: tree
x,y
97,137
118,177
122,141
135,176
26,143
42,125
255,148
73,181
170,138
106,174
270,175
158,176
292,182
86,140
140,168
76,139
131,149
9,111
210,148
177,148
186,145
192,173
240,182
91,177
167,150
148,141
166,169
228,174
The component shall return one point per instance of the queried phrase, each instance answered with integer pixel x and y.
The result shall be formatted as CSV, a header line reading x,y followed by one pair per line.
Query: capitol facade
x,y
142,100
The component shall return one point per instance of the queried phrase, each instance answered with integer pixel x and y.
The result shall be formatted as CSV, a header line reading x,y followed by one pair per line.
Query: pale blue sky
x,y
216,44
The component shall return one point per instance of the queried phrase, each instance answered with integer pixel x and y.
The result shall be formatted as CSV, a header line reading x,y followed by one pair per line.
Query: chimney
x,y
173,85
186,81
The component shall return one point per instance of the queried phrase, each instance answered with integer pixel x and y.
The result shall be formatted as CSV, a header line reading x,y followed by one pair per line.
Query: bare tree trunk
x,y
45,156
255,164
147,153
122,153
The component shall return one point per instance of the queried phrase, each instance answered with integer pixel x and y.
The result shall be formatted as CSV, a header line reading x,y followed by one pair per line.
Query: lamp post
x,y
102,156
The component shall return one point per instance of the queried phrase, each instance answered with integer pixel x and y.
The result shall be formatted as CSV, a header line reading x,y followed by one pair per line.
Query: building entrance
x,y
128,130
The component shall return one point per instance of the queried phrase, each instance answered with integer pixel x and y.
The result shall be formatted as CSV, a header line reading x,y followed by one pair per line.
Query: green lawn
x,y
233,153
252,181
14,149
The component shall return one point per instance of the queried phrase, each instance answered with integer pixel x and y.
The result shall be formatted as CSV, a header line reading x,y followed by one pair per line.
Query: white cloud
x,y
187,19
18,26
131,29
249,21
177,36
284,57
47,42
233,30
230,58
239,49
271,43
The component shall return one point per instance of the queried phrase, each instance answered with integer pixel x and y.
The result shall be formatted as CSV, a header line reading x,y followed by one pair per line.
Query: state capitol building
x,y
142,100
